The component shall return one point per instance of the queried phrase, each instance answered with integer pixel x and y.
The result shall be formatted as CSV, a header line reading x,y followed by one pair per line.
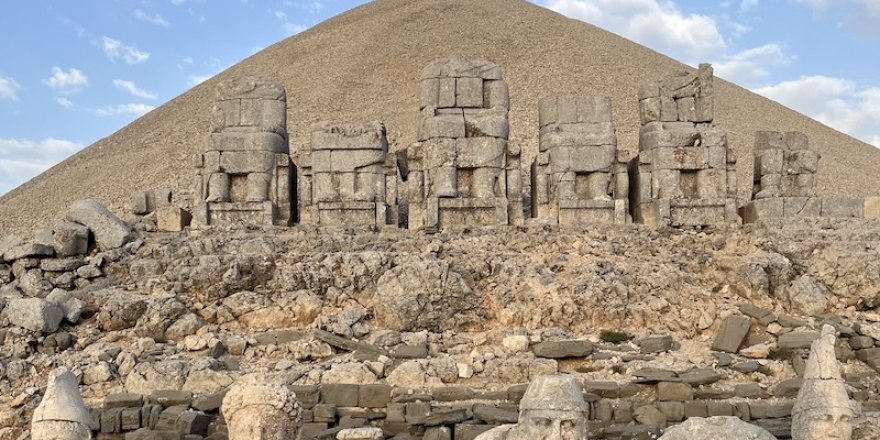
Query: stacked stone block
x,y
244,172
462,170
784,183
348,177
579,176
685,174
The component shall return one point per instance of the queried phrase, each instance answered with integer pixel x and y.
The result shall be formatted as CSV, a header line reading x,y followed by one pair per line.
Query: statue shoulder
x,y
499,433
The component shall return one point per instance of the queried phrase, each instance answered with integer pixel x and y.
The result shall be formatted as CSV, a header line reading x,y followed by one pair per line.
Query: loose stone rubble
x,y
684,175
823,409
244,173
463,170
579,176
350,179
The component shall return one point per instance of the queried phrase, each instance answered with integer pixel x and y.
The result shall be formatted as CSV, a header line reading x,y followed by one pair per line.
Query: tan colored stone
x,y
257,409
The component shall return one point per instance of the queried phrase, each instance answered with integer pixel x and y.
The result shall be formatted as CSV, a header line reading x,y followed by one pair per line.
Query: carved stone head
x,y
62,414
553,408
261,411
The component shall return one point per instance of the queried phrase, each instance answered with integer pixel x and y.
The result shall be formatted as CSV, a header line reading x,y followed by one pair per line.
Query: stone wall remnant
x,y
685,174
257,409
552,408
463,170
62,414
347,176
579,175
823,409
244,172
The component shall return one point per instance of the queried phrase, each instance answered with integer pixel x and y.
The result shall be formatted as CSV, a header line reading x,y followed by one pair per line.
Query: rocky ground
x,y
728,313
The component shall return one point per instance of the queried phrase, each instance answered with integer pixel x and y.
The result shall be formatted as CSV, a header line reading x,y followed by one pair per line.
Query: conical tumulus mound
x,y
365,65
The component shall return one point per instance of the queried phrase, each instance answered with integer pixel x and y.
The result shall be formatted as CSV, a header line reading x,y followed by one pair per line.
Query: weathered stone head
x,y
823,409
258,410
553,408
62,414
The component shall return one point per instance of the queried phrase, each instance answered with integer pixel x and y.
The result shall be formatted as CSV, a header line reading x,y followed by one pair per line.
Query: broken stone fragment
x,y
110,232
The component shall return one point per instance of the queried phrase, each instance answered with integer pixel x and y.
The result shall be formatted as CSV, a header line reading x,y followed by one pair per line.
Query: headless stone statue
x,y
823,410
256,409
62,414
552,408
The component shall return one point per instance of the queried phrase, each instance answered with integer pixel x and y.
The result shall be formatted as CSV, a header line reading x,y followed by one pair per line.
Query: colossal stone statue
x,y
553,408
256,409
823,410
62,415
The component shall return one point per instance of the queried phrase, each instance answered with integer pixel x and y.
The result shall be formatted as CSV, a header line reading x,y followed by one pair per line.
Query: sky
x,y
73,72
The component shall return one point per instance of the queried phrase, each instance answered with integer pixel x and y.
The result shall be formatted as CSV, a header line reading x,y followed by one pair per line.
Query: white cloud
x,y
152,19
64,102
67,82
131,87
177,2
195,80
654,23
22,159
9,88
862,16
293,29
745,5
115,49
751,65
125,109
836,102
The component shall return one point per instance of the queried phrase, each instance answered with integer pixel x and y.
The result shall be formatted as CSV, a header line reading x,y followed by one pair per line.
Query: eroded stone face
x,y
62,414
553,408
257,410
823,409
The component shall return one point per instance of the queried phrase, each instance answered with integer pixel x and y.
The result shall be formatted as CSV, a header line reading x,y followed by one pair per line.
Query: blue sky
x,y
74,72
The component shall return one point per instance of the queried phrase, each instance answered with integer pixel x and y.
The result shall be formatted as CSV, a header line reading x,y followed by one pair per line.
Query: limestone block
x,y
266,115
567,109
235,162
461,68
346,136
872,208
446,93
218,188
800,185
140,204
581,134
684,158
651,90
763,209
34,314
717,158
480,152
441,126
769,140
594,110
560,160
481,123
226,113
801,162
211,162
712,184
469,92
799,207
731,334
687,110
650,109
548,111
172,219
704,110
666,184
842,207
250,87
429,93
679,85
668,110
346,161
716,428
591,159
496,94
440,152
109,231
769,161
795,141
237,141
361,434
649,140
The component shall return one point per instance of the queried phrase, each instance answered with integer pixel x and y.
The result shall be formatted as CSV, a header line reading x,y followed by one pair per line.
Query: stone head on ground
x,y
62,414
823,409
257,409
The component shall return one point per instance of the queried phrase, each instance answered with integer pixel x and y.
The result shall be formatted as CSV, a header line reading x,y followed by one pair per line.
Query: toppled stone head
x,y
257,409
823,409
62,414
553,408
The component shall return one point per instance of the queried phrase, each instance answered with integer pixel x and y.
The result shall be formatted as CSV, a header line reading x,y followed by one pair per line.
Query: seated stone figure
x,y
823,410
553,408
62,414
259,408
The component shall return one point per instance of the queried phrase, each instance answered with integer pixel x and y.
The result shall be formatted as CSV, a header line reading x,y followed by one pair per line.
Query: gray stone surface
x,y
62,414
716,428
731,334
109,231
34,314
